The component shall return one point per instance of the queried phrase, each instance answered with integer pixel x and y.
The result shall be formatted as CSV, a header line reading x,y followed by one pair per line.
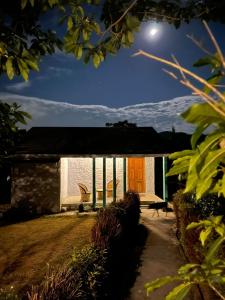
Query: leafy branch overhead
x,y
91,28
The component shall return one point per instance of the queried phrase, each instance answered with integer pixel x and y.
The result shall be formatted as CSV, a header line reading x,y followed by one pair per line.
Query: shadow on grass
x,y
126,263
11,221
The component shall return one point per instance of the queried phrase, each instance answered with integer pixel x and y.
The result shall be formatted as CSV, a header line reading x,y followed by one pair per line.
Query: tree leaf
x,y
23,69
200,113
184,159
204,184
52,2
191,181
85,34
101,55
204,235
25,114
178,169
211,162
9,67
20,118
217,219
78,51
198,132
96,60
130,37
80,10
179,292
23,3
159,282
186,268
207,60
197,160
32,64
76,34
132,22
215,79
213,249
96,27
70,23
193,225
220,230
179,154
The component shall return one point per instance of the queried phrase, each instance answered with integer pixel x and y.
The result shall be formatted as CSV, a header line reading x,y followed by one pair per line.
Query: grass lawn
x,y
27,248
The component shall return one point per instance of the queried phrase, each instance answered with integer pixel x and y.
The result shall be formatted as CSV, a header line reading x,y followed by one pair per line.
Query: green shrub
x,y
116,229
210,205
131,204
90,265
83,279
186,213
108,227
115,223
8,294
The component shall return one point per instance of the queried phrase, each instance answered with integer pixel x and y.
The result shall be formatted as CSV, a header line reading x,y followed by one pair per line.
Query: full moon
x,y
153,32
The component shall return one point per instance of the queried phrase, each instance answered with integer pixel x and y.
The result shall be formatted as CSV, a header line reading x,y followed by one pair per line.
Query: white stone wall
x,y
109,173
150,174
63,177
73,171
79,170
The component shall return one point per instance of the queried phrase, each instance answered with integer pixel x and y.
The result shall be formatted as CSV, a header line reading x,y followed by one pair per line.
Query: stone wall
x,y
37,181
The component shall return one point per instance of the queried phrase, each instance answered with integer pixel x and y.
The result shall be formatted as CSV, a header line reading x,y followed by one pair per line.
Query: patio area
x,y
74,201
99,181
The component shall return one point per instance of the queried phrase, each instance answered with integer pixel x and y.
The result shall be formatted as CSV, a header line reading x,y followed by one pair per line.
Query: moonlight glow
x,y
153,32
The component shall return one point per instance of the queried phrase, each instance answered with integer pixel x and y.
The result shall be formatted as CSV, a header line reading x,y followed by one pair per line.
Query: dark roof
x,y
94,141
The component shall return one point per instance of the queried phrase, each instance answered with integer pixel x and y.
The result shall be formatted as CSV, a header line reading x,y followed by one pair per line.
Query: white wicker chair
x,y
109,187
84,193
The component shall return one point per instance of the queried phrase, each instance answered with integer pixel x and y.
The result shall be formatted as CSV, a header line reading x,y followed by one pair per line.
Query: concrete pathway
x,y
161,256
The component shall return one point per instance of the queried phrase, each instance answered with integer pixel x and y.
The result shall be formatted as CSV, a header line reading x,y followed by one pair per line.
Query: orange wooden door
x,y
136,174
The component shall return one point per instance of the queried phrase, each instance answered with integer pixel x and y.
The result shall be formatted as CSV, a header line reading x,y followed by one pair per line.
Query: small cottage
x,y
60,166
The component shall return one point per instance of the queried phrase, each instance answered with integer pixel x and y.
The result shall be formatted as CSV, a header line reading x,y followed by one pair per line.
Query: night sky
x,y
122,79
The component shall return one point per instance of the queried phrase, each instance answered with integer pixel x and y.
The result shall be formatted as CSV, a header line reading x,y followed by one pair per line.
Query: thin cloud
x,y
63,56
17,87
41,77
161,115
59,71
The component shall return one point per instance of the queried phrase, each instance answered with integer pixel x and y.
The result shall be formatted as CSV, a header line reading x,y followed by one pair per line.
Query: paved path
x,y
161,255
